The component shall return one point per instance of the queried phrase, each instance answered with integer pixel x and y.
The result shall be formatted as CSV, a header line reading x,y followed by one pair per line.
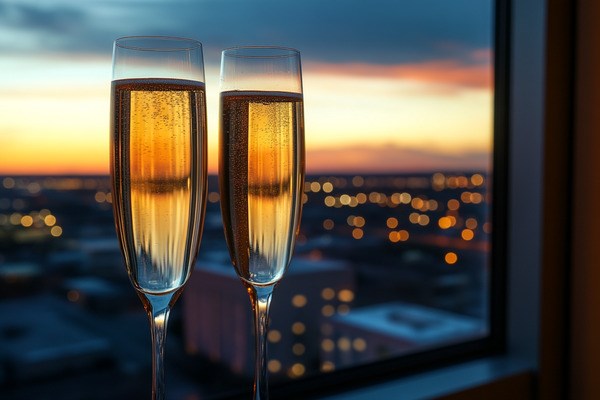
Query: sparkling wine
x,y
261,179
158,161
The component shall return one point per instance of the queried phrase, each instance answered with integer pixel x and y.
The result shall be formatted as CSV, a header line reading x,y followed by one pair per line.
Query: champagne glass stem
x,y
158,309
260,296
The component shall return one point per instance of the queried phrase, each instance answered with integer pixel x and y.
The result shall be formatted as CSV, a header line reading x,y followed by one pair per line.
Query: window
x,y
395,253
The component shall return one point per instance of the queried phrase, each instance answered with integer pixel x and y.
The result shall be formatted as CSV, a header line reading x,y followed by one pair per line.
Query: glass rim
x,y
283,52
192,44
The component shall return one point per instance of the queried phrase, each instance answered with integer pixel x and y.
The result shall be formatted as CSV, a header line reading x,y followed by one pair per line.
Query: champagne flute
x,y
261,174
158,170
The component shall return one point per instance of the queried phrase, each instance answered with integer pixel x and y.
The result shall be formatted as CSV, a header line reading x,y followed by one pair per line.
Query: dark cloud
x,y
381,31
374,31
59,19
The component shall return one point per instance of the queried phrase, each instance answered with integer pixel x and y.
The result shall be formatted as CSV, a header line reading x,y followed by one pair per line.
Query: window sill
x,y
489,378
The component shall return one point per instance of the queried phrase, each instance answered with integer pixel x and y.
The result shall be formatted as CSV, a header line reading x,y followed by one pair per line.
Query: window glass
x,y
393,252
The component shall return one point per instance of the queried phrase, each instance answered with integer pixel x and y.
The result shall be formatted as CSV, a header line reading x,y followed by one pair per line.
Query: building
x,y
218,322
44,337
381,331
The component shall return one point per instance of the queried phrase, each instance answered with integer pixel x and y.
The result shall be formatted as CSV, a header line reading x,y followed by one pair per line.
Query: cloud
x,y
63,19
36,28
338,31
344,31
445,72
392,158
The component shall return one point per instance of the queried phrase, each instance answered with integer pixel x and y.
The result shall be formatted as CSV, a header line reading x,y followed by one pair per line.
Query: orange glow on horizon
x,y
392,157
447,72
46,162
359,118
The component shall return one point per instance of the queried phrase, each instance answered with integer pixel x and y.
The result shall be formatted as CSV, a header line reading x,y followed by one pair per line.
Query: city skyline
x,y
413,249
390,87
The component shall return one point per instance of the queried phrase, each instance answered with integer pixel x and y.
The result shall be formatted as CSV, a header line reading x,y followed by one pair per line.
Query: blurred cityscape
x,y
384,266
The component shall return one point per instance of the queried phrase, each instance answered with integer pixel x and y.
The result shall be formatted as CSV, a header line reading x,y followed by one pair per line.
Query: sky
x,y
389,85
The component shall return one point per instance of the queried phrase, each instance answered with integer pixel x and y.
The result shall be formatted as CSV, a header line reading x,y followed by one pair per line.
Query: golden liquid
x,y
158,152
261,179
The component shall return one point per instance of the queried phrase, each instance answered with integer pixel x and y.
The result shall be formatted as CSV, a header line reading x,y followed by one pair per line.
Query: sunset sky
x,y
389,86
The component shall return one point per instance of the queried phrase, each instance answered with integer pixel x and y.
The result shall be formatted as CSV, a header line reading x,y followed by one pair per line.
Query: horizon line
x,y
311,173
